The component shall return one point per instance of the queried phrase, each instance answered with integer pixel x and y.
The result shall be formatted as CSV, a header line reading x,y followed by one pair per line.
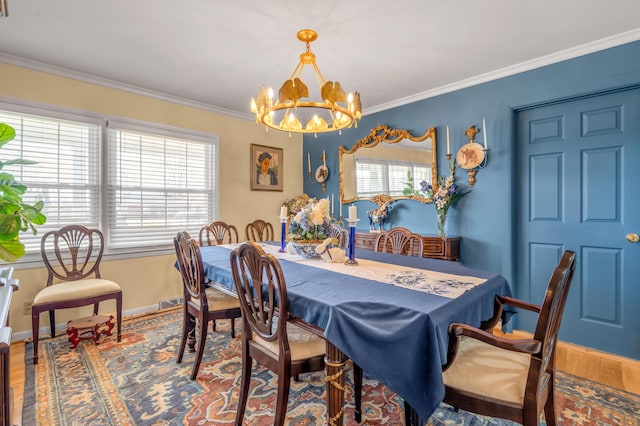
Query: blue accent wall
x,y
485,217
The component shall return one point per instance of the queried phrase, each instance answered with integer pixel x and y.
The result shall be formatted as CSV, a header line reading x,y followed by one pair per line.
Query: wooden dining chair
x,y
340,234
259,230
512,379
201,304
268,335
72,256
400,241
218,233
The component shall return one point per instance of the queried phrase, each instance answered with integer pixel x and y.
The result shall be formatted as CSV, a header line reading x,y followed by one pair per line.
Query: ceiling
x,y
217,54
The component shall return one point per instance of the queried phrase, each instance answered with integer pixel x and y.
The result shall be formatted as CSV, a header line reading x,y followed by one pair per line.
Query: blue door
x,y
578,164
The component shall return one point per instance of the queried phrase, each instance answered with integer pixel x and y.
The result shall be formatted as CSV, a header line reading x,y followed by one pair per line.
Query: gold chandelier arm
x,y
319,78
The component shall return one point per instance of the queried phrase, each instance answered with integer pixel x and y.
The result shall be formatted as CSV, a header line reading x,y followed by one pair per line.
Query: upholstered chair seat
x,y
71,290
217,298
301,343
497,373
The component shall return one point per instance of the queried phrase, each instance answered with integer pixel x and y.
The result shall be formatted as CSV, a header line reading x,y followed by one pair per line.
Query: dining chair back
x,y
511,379
269,333
340,234
201,303
72,256
259,230
218,233
400,241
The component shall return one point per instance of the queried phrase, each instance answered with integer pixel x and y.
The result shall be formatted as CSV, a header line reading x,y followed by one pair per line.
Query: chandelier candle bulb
x,y
484,133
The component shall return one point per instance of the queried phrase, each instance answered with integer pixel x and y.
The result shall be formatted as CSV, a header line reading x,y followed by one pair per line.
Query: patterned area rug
x,y
137,382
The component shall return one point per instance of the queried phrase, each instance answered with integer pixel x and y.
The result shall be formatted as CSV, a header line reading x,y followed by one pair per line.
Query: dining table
x,y
388,313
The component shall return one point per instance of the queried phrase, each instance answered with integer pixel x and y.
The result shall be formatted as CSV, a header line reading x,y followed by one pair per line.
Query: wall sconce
x,y
321,173
472,156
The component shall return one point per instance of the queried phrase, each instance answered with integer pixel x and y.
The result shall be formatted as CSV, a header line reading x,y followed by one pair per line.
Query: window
x,y
158,186
140,184
375,177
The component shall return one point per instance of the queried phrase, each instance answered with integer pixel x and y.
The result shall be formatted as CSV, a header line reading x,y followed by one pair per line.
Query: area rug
x,y
137,382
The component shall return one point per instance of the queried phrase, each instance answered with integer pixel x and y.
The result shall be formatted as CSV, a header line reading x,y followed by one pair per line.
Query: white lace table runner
x,y
429,281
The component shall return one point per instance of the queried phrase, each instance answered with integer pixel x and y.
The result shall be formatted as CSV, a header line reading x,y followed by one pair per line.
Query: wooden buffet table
x,y
435,247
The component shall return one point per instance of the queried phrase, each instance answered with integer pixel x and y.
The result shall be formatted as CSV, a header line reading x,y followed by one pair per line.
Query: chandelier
x,y
334,109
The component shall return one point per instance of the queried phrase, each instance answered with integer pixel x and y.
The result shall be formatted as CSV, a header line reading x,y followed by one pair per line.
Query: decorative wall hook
x,y
472,156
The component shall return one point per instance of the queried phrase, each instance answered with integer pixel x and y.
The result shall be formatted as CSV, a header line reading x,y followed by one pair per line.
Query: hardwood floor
x,y
612,370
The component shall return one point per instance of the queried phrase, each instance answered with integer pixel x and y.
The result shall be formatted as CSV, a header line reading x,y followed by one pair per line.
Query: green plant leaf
x,y
19,161
15,214
7,133
10,251
9,227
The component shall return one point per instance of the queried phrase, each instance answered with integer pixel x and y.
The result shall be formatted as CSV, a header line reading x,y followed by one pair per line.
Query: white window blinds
x,y
375,177
66,177
157,185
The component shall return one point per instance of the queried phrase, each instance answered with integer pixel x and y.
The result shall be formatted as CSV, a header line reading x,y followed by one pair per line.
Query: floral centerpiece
x,y
310,224
444,196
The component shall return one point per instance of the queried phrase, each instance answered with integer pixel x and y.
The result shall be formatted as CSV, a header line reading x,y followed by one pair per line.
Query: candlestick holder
x,y
283,233
352,242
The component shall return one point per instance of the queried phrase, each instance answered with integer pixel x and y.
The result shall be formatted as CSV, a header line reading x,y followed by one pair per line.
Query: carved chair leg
x,y
245,379
35,331
202,339
284,382
119,315
233,327
52,322
550,404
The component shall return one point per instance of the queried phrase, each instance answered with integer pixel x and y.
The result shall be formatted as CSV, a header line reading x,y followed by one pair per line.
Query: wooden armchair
x,y
218,233
259,230
268,335
72,257
512,379
400,241
201,304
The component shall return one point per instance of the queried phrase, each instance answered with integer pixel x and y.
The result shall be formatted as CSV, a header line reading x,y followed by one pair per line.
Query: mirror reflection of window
x,y
389,162
393,178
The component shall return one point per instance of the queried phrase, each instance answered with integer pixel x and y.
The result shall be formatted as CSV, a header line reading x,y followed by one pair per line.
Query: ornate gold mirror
x,y
388,161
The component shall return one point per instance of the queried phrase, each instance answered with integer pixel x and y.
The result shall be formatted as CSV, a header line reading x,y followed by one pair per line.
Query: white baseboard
x,y
44,331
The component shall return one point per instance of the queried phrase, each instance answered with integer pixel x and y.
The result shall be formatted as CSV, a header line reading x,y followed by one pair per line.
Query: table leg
x,y
335,361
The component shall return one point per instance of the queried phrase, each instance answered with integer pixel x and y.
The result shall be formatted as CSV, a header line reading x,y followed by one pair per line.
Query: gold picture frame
x,y
266,168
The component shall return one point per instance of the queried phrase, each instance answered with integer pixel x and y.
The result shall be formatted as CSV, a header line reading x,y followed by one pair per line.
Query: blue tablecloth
x,y
398,335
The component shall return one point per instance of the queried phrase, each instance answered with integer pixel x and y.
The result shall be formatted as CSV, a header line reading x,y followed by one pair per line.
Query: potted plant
x,y
15,214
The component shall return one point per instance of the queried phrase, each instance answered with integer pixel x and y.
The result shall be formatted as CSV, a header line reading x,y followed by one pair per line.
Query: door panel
x,y
578,167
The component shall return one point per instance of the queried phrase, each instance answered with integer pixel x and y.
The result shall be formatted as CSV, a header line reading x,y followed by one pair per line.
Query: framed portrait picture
x,y
266,168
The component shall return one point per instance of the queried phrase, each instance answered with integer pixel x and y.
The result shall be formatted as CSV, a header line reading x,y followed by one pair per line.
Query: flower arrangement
x,y
310,221
444,196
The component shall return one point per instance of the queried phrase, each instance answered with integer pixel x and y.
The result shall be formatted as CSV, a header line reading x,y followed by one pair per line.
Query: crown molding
x,y
574,52
112,84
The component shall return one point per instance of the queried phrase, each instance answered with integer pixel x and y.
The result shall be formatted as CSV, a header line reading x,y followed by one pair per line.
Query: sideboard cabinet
x,y
436,247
